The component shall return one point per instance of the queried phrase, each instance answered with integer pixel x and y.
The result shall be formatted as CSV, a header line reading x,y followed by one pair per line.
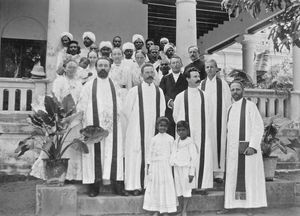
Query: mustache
x,y
150,77
198,81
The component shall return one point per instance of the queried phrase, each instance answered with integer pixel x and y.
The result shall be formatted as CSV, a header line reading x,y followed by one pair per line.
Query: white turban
x,y
137,36
90,35
164,39
128,45
105,44
167,46
68,34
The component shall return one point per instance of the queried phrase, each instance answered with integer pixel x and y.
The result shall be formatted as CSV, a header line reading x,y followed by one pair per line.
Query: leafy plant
x,y
52,123
270,141
285,32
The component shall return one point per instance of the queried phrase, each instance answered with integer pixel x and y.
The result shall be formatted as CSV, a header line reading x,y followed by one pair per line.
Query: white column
x,y
58,22
186,28
295,94
248,53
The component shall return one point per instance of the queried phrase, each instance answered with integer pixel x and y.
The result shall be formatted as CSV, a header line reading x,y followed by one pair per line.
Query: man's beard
x,y
102,74
150,78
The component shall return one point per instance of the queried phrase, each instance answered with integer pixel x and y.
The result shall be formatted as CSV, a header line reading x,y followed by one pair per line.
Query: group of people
x,y
173,130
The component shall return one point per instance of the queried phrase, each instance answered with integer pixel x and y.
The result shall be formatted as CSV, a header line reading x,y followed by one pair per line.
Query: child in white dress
x,y
160,195
183,159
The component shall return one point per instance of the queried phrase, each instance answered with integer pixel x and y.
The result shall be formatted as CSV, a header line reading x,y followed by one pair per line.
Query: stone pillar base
x,y
58,201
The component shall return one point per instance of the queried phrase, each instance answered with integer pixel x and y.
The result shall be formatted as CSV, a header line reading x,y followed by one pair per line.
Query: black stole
x,y
219,114
202,145
142,126
97,146
240,183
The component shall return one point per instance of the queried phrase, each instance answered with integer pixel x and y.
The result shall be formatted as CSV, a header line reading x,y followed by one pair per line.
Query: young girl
x,y
183,159
160,195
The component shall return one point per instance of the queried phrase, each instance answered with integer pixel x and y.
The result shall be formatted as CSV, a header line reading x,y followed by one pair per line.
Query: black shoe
x,y
125,193
137,193
219,180
93,193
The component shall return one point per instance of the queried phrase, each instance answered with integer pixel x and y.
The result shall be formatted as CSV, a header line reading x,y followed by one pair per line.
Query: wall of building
x,y
28,19
108,18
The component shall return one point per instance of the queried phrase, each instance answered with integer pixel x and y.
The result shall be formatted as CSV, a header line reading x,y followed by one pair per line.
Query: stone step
x,y
288,165
279,193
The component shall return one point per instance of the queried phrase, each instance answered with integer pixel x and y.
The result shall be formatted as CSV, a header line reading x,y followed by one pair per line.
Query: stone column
x,y
295,94
186,28
248,52
58,22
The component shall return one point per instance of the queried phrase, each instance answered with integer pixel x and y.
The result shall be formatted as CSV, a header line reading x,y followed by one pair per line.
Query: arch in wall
x,y
24,27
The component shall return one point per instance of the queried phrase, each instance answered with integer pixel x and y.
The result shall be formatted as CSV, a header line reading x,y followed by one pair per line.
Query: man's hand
x,y
171,104
191,178
250,151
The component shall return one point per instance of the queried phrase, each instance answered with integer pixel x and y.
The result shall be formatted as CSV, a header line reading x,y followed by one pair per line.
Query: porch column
x,y
248,52
58,22
295,94
186,28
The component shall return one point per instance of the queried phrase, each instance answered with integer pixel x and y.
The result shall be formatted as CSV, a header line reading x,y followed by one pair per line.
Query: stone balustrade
x,y
16,94
270,102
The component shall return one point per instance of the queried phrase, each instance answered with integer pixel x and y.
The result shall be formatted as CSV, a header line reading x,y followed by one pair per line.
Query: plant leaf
x,y
93,134
24,146
51,106
68,105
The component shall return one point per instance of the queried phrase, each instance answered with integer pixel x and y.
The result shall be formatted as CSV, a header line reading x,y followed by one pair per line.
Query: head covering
x,y
105,44
137,36
128,45
167,46
154,47
164,39
90,35
68,34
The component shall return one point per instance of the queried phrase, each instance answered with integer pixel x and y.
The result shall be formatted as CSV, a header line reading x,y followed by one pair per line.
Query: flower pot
x,y
55,171
270,167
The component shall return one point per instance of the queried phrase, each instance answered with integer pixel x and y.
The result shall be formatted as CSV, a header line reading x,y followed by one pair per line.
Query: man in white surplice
x,y
190,105
101,107
218,101
143,104
244,120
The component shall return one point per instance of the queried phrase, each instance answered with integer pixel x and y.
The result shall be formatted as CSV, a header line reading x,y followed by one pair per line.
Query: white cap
x,y
90,35
167,46
137,36
105,44
164,39
68,34
128,45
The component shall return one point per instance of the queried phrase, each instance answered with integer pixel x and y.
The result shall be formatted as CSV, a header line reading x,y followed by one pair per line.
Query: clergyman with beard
x,y
143,105
100,105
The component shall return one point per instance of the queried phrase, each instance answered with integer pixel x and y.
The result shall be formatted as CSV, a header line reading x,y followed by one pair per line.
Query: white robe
x,y
133,136
194,100
105,112
84,52
254,171
211,99
60,57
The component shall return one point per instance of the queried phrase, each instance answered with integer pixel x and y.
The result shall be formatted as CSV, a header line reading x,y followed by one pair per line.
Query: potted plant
x,y
271,142
52,122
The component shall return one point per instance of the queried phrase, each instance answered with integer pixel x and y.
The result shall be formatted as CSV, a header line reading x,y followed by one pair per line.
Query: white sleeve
x,y
257,127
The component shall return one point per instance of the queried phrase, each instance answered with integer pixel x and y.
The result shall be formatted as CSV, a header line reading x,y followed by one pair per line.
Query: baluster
x,y
280,106
262,106
11,99
23,99
271,107
1,98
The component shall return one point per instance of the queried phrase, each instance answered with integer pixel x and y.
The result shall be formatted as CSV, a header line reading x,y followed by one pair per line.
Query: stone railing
x,y
16,94
270,102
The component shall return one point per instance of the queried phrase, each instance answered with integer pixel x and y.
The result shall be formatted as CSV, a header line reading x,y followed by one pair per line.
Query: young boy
x,y
183,159
82,74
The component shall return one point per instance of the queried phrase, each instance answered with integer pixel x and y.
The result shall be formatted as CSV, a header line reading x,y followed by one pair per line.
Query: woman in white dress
x,y
160,195
62,86
92,56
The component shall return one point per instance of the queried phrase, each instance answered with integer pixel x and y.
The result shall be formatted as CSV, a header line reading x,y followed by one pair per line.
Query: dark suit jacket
x,y
171,89
200,66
